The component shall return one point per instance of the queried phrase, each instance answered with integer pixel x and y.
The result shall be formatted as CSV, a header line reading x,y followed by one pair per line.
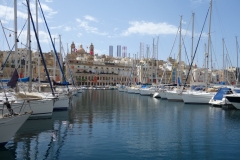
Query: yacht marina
x,y
78,104
117,125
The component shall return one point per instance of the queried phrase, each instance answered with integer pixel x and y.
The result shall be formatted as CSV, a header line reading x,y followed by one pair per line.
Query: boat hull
x,y
197,98
62,103
9,126
174,96
163,94
235,100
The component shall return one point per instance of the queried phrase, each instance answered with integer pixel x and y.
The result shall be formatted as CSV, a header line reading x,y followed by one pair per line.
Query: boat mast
x,y
61,60
209,41
152,70
29,56
39,76
179,54
193,14
237,70
15,31
54,62
223,61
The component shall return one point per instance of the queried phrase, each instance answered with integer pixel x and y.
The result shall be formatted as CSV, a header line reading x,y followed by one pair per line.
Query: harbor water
x,y
107,124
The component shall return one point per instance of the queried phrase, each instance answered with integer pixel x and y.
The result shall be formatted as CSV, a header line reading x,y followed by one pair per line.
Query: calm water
x,y
107,124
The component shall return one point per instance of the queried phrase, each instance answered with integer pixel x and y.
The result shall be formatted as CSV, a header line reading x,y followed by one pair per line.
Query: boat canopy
x,y
221,92
25,79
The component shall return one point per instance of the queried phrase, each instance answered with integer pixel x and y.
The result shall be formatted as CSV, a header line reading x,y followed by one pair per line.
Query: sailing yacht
x,y
202,97
10,121
175,94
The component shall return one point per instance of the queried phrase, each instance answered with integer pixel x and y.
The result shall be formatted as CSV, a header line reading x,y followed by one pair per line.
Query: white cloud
x,y
43,37
149,28
48,12
196,1
89,29
90,18
7,13
79,34
67,28
57,27
49,0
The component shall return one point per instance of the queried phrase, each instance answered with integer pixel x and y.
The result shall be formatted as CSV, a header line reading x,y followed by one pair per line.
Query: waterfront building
x,y
99,70
95,70
23,65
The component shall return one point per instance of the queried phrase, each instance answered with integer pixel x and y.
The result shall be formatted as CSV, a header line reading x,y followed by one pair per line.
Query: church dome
x,y
81,50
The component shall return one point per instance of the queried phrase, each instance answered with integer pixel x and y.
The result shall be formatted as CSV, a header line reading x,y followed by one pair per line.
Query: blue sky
x,y
129,23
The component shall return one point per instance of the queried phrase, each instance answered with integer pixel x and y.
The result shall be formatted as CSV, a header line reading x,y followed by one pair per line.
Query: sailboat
x,y
41,105
202,97
10,121
175,94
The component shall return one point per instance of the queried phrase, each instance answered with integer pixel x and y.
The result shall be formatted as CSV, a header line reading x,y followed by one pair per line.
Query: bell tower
x,y
91,49
73,48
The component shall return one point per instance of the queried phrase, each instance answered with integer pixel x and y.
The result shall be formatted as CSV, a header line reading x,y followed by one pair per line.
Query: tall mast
x,y
15,35
157,61
223,61
237,62
61,60
39,76
29,56
54,63
152,70
192,41
179,54
209,40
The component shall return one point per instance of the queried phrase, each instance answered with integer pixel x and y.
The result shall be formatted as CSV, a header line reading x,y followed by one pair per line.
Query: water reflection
x,y
117,125
35,140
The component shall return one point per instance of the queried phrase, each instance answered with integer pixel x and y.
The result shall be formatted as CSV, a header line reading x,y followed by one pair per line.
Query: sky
x,y
129,23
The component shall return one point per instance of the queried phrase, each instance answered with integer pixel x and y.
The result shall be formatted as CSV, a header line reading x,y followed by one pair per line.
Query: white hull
x,y
197,98
163,94
146,92
131,90
9,126
61,103
219,103
40,108
174,96
137,91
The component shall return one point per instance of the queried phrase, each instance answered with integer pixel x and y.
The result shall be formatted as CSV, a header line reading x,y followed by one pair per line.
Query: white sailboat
x,y
61,99
202,97
175,95
41,105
